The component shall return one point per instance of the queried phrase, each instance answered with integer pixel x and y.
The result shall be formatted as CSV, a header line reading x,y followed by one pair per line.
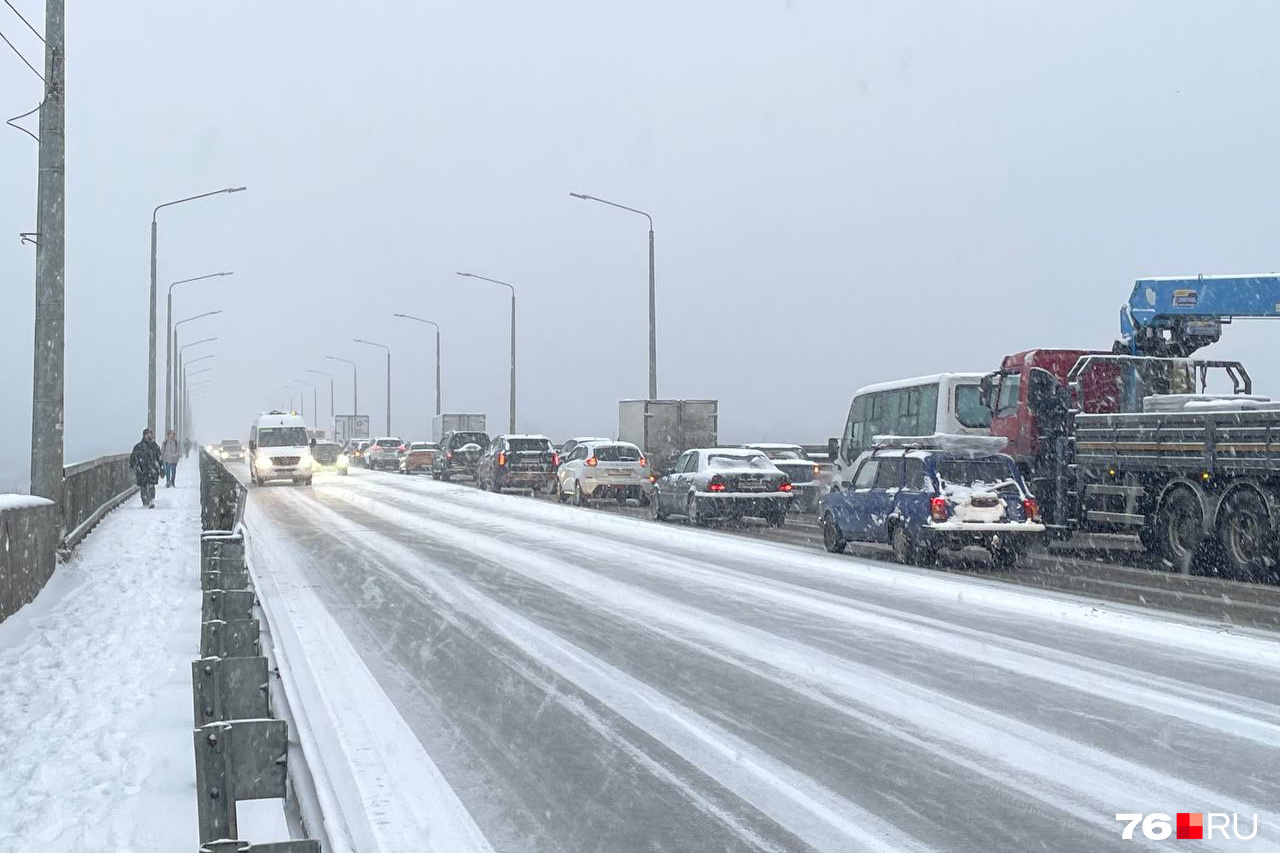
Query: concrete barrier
x,y
28,549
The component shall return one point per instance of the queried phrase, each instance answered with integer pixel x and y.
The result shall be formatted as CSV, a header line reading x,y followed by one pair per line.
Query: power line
x,y
24,20
20,56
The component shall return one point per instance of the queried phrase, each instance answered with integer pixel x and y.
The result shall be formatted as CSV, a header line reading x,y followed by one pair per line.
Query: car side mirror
x,y
833,448
313,444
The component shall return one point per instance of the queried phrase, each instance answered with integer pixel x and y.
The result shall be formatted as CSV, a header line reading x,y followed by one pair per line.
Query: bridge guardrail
x,y
241,752
89,491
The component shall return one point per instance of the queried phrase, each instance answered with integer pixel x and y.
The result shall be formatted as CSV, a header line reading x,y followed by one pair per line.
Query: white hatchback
x,y
603,469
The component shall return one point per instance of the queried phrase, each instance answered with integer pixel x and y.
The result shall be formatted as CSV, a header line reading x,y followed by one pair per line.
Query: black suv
x,y
518,462
459,454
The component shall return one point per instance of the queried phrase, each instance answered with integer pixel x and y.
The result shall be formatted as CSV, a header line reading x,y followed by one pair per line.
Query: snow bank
x,y
22,502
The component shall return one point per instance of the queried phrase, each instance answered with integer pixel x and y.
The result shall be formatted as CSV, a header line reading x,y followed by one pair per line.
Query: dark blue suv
x,y
920,501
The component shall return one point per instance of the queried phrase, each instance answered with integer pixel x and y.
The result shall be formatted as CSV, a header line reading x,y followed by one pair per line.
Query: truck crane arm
x,y
1175,317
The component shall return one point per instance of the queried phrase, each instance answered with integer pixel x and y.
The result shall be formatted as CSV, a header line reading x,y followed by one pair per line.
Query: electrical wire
x,y
25,21
13,121
20,56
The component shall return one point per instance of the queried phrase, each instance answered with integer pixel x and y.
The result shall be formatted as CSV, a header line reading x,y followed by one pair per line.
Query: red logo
x,y
1190,825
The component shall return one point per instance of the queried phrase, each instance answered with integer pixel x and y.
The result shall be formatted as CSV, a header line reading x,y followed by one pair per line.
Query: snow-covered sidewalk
x,y
95,690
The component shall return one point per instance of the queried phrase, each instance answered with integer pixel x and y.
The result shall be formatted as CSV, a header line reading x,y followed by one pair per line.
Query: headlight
x,y
224,454
342,459
263,462
304,461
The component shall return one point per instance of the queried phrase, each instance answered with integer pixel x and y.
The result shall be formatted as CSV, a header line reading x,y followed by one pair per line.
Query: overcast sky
x,y
844,192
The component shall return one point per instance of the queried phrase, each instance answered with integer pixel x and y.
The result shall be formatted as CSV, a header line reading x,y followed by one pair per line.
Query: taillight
x,y
715,486
643,462
502,460
402,449
555,460
784,487
653,478
1030,510
938,509
592,462
449,455
816,471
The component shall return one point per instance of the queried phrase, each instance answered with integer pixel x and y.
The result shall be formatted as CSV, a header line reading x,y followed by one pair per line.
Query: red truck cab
x,y
1029,397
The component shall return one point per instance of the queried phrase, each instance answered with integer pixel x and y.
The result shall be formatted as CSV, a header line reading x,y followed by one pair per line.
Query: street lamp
x,y
388,349
511,418
653,312
437,325
355,382
184,373
151,357
315,413
332,420
169,344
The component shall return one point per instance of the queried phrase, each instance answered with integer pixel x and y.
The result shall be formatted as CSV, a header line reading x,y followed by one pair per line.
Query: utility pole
x,y
50,333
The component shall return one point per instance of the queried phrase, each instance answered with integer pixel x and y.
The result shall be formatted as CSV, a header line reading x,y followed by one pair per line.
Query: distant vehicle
x,y
947,403
354,449
455,422
231,450
384,453
328,456
722,483
279,449
664,429
348,427
418,457
518,462
603,469
566,448
805,474
459,454
920,501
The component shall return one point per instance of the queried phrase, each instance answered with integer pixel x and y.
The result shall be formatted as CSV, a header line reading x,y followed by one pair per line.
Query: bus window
x,y
1010,390
969,409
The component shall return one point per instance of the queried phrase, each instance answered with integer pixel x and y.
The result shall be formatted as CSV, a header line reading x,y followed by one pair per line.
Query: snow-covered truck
x,y
456,421
664,429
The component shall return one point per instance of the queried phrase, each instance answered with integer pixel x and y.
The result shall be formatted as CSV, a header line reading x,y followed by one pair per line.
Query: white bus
x,y
926,405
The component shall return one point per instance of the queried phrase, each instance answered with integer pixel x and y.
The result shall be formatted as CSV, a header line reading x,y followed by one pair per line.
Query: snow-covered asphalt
x,y
580,681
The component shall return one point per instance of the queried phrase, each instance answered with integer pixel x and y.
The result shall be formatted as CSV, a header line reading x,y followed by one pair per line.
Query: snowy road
x,y
590,682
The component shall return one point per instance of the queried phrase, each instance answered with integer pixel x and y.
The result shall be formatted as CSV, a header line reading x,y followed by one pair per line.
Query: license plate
x,y
750,486
619,473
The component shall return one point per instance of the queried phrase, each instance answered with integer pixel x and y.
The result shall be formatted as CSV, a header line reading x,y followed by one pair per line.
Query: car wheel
x,y
903,548
658,514
307,482
583,498
444,475
560,493
691,510
831,538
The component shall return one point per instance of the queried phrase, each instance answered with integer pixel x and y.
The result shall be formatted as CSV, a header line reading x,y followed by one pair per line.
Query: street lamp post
x,y
315,409
511,417
168,346
355,382
151,356
182,390
388,349
437,326
332,420
653,311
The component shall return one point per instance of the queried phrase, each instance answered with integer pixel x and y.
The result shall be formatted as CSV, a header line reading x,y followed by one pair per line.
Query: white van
x,y
948,403
279,449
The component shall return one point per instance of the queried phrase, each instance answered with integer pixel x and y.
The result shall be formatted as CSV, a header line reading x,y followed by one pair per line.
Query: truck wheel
x,y
831,539
1178,530
1244,530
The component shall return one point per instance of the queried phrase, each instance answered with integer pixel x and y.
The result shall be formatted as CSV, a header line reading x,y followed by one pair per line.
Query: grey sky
x,y
844,193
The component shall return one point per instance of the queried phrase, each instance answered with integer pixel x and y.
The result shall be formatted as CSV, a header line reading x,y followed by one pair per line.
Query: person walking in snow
x,y
145,462
170,453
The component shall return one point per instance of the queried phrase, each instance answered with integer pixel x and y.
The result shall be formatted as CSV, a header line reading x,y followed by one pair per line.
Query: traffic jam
x,y
1141,441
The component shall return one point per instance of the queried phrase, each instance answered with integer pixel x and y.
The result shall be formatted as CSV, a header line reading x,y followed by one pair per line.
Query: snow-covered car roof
x,y
586,438
934,379
744,452
531,436
773,445
387,438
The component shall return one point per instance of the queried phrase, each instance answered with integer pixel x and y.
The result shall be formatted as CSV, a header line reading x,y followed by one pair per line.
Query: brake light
x,y
402,448
555,459
715,487
592,462
653,478
502,460
449,455
785,487
938,509
643,462
1030,510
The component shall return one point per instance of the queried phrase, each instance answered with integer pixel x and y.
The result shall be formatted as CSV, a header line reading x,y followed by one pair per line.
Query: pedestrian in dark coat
x,y
145,462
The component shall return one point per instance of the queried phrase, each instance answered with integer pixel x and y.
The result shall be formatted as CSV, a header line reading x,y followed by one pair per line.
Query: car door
x,y
570,470
880,499
671,488
855,517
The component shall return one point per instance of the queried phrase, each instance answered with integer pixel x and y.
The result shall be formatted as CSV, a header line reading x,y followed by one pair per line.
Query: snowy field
x,y
95,693
493,673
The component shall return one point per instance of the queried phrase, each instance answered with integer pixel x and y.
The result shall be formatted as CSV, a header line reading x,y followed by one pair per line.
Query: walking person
x,y
170,453
145,462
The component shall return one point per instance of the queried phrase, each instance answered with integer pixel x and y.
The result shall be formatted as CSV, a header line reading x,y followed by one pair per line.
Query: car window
x,y
866,475
617,453
688,463
1010,390
526,445
389,442
889,475
915,478
579,452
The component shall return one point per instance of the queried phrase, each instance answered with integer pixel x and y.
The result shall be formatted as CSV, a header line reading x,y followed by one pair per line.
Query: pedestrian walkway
x,y
95,692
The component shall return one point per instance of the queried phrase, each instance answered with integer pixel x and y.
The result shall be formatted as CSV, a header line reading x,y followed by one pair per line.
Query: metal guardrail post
x,y
238,639
229,605
229,689
307,846
237,760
